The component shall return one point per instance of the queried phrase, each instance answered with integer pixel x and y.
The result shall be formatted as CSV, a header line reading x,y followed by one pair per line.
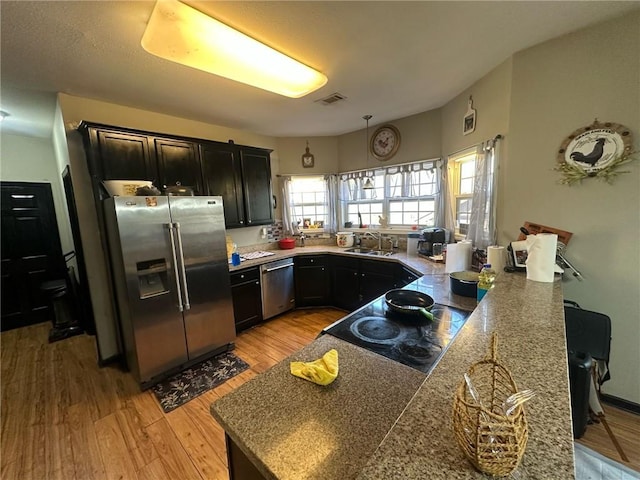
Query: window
x,y
308,201
463,170
405,195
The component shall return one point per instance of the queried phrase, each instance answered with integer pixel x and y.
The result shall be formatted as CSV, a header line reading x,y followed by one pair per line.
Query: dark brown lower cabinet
x,y
376,278
345,283
240,467
313,280
247,297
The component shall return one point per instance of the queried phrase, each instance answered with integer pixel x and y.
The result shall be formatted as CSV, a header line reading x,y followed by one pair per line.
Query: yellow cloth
x,y
322,371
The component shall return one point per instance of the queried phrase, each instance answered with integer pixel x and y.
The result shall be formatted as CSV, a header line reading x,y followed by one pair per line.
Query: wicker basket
x,y
493,442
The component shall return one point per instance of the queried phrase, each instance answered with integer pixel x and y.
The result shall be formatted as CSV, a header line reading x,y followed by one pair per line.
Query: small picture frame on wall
x,y
469,121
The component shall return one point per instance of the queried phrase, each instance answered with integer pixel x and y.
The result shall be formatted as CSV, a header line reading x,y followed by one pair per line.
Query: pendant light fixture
x,y
368,184
182,34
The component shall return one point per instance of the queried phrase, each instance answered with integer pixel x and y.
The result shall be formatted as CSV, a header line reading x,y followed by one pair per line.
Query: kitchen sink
x,y
370,251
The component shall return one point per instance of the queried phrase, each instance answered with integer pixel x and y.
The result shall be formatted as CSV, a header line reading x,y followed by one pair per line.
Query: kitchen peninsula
x,y
382,419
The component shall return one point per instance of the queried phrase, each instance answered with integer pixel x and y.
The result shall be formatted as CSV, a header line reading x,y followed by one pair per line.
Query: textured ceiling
x,y
390,59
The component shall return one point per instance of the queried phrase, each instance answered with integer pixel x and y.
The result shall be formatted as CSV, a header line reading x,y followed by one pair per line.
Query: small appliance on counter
x,y
345,239
428,237
412,243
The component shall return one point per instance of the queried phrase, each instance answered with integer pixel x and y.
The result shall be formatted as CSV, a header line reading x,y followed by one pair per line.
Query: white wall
x,y
420,137
558,87
535,100
32,159
323,149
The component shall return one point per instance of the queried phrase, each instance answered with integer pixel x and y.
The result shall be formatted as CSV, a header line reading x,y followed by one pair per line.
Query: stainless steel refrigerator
x,y
171,276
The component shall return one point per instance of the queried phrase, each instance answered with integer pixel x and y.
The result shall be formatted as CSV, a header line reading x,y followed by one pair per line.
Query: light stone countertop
x,y
294,429
417,263
529,319
383,420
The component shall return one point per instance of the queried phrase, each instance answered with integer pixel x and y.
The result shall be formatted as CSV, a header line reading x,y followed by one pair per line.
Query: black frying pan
x,y
409,301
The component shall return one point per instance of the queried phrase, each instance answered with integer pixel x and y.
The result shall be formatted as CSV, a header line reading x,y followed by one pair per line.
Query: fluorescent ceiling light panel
x,y
184,35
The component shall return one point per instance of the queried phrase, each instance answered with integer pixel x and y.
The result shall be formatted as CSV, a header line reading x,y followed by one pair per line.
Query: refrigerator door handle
x,y
187,306
175,266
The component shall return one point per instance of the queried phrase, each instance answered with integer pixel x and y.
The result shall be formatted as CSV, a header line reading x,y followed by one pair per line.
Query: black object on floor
x,y
194,381
580,365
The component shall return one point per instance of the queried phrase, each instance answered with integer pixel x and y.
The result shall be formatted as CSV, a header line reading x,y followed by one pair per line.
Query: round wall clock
x,y
385,142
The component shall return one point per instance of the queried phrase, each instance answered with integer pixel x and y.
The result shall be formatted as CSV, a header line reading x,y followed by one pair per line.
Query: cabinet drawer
x,y
310,261
378,266
246,275
346,262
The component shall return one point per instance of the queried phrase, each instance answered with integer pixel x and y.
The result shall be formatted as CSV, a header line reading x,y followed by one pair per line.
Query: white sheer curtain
x,y
482,225
332,202
444,214
287,217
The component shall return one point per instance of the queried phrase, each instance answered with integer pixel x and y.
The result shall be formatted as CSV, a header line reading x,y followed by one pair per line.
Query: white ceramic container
x,y
344,239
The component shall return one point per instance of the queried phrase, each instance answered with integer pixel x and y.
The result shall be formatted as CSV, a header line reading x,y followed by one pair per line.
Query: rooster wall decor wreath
x,y
597,150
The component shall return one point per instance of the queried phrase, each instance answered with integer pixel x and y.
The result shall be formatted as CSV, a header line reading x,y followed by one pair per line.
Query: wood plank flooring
x,y
65,418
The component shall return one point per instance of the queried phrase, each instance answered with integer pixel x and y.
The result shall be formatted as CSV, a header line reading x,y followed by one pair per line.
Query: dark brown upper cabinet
x,y
240,174
122,156
223,176
256,181
178,164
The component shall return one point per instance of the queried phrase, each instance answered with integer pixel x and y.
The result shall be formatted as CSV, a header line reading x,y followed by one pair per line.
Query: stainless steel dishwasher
x,y
278,293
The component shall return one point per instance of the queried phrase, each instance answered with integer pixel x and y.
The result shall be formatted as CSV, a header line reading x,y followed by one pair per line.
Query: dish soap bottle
x,y
485,280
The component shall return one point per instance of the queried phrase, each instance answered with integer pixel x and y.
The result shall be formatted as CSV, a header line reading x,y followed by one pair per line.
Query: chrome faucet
x,y
376,236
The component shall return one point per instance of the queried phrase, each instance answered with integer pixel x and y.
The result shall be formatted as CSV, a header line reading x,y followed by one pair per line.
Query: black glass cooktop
x,y
406,338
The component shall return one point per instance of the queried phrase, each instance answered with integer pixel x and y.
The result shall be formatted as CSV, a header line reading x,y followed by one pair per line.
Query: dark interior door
x,y
31,252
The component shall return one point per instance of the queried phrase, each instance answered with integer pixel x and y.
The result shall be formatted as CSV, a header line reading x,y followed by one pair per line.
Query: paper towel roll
x,y
458,257
467,252
541,258
496,257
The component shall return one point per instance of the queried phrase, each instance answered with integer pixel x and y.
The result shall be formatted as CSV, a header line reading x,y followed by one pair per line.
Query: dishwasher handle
x,y
267,270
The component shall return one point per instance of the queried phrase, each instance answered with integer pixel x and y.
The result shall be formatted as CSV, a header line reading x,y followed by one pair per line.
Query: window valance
x,y
392,169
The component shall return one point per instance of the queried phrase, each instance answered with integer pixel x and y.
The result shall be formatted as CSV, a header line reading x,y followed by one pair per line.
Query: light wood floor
x,y
65,418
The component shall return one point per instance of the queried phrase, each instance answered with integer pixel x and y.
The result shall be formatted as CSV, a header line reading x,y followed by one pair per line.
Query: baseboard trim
x,y
621,403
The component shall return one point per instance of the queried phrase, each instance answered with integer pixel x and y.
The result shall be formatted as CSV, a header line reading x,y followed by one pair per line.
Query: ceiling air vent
x,y
331,99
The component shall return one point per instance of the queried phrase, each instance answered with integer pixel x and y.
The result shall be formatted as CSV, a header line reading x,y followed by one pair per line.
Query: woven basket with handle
x,y
492,441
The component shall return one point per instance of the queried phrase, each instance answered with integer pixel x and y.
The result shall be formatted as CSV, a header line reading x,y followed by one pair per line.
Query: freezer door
x,y
208,313
151,315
